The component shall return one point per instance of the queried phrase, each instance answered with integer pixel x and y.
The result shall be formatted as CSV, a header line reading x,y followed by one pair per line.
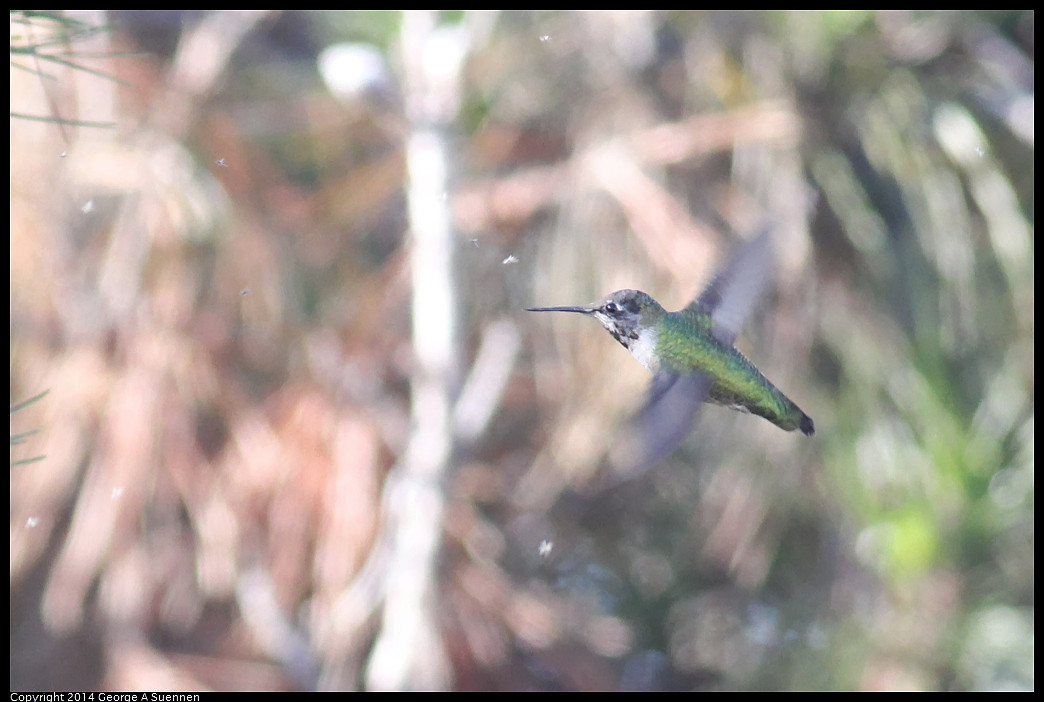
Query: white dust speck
x,y
545,37
31,522
509,260
545,548
221,162
88,207
117,492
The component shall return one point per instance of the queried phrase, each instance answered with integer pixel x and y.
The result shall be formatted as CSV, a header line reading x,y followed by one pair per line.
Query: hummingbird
x,y
692,358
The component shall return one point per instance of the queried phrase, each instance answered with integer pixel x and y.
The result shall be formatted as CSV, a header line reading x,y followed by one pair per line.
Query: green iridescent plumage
x,y
685,343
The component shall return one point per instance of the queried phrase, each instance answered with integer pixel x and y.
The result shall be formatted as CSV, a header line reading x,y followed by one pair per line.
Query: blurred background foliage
x,y
214,291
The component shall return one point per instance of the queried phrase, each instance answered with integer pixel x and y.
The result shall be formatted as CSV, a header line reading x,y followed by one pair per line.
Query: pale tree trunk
x,y
409,653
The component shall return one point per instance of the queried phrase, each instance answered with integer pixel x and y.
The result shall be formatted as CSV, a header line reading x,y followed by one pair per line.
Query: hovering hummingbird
x,y
692,358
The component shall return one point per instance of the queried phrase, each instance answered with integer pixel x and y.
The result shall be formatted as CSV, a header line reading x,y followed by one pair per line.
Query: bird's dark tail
x,y
807,427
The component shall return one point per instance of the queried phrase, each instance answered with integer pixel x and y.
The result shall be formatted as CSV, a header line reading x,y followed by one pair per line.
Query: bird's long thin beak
x,y
581,310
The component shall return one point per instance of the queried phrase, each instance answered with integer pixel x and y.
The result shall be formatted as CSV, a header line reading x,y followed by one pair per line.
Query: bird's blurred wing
x,y
664,422
738,287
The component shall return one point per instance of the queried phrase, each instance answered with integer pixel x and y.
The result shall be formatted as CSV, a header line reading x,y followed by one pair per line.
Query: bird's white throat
x,y
644,349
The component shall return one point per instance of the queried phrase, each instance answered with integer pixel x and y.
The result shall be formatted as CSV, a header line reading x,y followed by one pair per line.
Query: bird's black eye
x,y
611,308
